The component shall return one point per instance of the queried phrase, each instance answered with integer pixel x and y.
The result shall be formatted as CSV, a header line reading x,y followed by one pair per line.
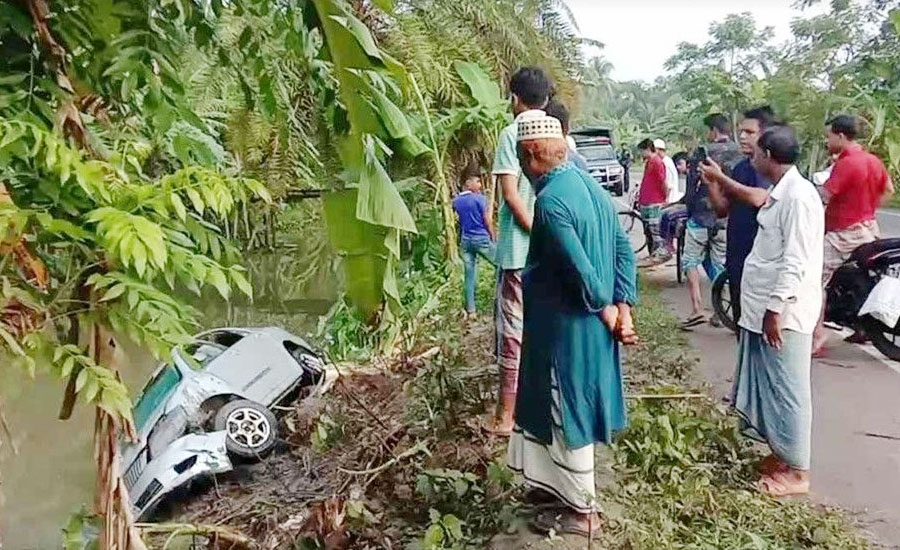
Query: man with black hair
x,y
476,231
652,197
558,111
704,235
740,197
857,186
781,294
530,88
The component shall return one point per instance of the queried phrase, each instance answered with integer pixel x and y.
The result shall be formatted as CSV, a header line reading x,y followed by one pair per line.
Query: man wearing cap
x,y
579,284
530,88
672,192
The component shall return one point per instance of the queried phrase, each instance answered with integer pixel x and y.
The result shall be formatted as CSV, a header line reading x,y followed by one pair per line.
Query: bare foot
x,y
784,483
818,348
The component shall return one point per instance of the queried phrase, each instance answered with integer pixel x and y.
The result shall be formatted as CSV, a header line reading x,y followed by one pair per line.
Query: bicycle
x,y
644,238
722,303
641,239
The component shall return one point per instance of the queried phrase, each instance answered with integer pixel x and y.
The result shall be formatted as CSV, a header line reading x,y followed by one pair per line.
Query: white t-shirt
x,y
672,191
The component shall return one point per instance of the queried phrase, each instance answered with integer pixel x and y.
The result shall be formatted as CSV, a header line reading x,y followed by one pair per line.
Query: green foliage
x,y
683,484
116,248
82,532
327,433
465,510
843,59
444,532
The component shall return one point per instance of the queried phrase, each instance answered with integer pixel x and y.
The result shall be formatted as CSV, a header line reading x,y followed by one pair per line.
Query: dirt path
x,y
856,419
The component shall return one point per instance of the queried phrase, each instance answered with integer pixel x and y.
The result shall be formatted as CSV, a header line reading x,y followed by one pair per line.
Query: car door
x,y
257,367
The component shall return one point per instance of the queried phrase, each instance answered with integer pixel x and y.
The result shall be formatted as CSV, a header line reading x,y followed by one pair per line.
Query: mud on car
x,y
211,405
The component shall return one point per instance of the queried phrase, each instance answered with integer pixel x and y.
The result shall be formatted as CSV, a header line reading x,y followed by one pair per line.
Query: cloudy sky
x,y
641,34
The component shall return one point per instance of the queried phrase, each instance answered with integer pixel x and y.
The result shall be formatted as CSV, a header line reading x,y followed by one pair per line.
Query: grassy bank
x,y
394,458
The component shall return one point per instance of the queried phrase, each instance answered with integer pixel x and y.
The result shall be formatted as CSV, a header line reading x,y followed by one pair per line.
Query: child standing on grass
x,y
477,236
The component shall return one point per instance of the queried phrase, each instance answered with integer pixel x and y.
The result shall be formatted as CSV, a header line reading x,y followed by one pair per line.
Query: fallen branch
x,y
418,448
219,534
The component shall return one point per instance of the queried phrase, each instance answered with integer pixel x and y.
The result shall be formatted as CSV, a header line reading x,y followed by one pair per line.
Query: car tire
x,y
251,429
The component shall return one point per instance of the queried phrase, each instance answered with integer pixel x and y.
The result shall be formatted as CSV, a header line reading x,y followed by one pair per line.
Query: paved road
x,y
889,221
856,419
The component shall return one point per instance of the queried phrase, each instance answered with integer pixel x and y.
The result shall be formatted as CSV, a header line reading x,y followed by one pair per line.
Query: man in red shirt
x,y
855,190
652,196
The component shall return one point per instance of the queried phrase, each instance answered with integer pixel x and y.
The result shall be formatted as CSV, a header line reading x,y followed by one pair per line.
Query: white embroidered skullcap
x,y
539,128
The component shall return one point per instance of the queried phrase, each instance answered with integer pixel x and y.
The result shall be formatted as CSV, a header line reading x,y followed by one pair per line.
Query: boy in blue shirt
x,y
476,231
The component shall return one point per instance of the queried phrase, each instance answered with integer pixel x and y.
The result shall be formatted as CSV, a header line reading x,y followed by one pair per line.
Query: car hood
x,y
186,396
602,163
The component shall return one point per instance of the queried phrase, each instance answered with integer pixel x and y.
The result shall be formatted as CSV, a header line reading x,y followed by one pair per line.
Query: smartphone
x,y
702,154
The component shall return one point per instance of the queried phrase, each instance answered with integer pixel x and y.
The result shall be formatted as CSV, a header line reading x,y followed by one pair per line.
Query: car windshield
x,y
597,152
155,394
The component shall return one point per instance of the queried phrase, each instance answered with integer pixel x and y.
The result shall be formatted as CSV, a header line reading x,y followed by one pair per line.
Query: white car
x,y
211,404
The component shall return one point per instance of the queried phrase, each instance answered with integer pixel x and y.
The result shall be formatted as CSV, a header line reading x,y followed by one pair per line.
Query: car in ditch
x,y
211,404
596,146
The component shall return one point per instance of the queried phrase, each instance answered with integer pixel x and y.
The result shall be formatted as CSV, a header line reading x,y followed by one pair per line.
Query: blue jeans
x,y
471,249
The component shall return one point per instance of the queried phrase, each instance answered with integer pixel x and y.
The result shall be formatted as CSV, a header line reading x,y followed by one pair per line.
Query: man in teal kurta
x,y
579,283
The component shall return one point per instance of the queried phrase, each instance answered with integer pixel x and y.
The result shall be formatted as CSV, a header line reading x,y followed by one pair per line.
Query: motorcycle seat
x,y
869,252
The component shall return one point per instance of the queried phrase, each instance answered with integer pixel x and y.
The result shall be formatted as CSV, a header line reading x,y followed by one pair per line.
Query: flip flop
x,y
693,321
772,486
562,523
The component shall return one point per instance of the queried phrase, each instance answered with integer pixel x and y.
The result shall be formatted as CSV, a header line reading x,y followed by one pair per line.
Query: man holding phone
x,y
705,241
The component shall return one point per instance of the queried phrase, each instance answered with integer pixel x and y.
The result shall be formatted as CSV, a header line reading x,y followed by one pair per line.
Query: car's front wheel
x,y
251,429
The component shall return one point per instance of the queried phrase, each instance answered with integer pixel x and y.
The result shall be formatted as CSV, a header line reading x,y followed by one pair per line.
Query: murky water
x,y
53,473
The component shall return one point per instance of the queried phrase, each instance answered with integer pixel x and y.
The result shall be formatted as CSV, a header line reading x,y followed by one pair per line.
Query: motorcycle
x,y
845,294
851,285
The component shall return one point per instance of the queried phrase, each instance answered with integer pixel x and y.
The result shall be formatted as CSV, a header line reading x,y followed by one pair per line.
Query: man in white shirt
x,y
781,294
672,191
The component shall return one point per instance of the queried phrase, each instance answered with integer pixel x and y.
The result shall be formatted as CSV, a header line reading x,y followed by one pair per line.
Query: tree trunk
x,y
112,500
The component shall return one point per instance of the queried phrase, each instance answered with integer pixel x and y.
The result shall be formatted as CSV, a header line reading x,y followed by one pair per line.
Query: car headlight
x,y
615,170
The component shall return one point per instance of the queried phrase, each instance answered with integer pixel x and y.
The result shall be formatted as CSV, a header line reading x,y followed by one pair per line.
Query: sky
x,y
641,34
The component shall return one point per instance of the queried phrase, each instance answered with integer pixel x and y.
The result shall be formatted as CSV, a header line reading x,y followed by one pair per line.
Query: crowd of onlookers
x,y
567,282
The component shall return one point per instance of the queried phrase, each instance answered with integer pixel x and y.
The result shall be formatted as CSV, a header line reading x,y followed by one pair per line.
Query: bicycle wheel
x,y
679,258
721,301
633,225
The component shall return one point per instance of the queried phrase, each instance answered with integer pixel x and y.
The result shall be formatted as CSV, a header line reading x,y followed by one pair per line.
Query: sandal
x,y
694,320
775,485
857,338
563,523
770,464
